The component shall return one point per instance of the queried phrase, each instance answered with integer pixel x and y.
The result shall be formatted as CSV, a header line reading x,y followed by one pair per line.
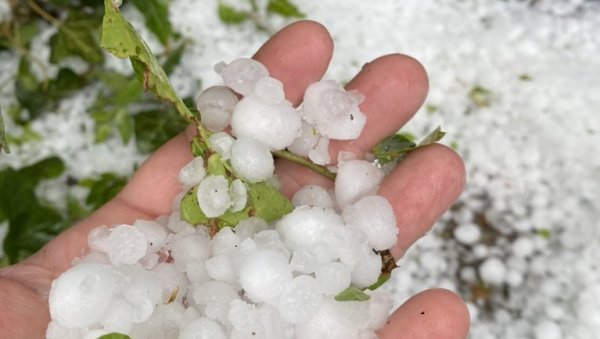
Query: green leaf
x,y
31,223
268,203
66,83
29,91
352,294
480,96
190,211
392,148
76,36
230,15
103,188
114,335
214,165
3,142
284,8
121,39
173,59
154,128
434,136
124,123
156,13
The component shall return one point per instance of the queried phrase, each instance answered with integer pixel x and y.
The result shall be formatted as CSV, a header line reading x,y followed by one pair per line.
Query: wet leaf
x,y
3,143
156,127
156,13
267,202
352,294
103,188
76,36
284,8
397,146
114,335
230,15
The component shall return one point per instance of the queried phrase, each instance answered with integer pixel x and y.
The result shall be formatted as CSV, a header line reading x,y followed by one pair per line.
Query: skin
x,y
420,189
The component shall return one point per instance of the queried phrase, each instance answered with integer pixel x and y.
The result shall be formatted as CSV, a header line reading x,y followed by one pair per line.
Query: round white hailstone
x,y
154,233
98,239
126,245
215,105
273,125
202,329
213,195
191,247
481,251
514,278
347,243
196,272
305,226
306,141
142,291
300,299
492,271
242,74
248,227
118,317
467,234
179,226
263,275
173,282
355,179
251,159
57,331
224,241
312,195
221,143
80,296
334,320
380,305
374,216
239,195
333,111
271,240
249,321
303,261
165,322
247,246
320,154
366,270
473,310
192,173
333,277
468,274
215,297
269,90
547,330
220,268
523,247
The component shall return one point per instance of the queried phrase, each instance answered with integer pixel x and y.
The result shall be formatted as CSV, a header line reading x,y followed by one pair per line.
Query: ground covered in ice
x,y
513,83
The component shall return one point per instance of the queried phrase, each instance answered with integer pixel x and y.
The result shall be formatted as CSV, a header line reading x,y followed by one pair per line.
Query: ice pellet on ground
x,y
202,328
312,195
242,74
251,159
275,125
467,233
355,179
126,245
333,111
374,216
216,105
221,143
300,299
81,295
192,173
492,271
523,247
263,275
547,330
213,195
239,195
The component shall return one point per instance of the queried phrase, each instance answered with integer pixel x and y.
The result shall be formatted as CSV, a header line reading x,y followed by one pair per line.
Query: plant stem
x,y
322,170
41,12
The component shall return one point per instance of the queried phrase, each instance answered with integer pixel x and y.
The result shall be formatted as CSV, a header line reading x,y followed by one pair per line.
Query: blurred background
x,y
514,84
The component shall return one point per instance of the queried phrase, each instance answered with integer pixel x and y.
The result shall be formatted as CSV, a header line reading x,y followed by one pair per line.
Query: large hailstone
x,y
333,111
375,217
275,125
356,179
215,105
264,274
242,74
213,195
81,295
304,227
251,159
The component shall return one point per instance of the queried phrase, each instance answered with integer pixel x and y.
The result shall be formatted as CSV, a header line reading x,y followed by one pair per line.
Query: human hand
x,y
420,189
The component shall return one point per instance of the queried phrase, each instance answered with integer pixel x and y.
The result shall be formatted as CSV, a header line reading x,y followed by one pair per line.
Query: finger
x,y
394,86
420,189
297,55
433,314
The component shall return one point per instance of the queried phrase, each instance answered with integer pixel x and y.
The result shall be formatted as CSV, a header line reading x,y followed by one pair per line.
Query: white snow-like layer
x,y
529,154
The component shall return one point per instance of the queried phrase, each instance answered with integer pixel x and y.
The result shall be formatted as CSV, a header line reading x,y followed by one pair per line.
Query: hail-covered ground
x,y
515,86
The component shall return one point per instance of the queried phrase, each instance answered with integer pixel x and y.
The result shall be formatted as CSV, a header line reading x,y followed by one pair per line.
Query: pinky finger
x,y
432,314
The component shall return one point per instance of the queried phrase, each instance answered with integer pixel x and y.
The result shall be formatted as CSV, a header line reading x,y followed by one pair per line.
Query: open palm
x,y
420,189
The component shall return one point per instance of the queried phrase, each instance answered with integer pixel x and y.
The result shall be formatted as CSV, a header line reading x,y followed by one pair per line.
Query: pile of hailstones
x,y
167,279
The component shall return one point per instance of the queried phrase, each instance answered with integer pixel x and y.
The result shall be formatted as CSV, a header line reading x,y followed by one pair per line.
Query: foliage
x,y
233,16
3,142
397,146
